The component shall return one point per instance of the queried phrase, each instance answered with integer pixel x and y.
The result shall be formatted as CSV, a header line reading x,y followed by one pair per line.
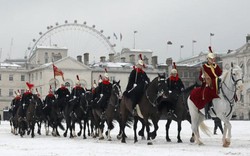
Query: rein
x,y
154,103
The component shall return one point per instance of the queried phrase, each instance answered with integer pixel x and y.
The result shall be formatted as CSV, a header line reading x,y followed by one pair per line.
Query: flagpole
x,y
54,76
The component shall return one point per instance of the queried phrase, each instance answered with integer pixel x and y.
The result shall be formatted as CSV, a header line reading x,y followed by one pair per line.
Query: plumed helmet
x,y
140,62
106,75
173,71
210,53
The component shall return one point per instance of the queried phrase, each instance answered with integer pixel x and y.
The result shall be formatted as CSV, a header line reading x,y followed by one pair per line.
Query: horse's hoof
x,y
123,141
143,138
179,141
101,138
168,139
65,135
109,139
149,143
192,140
226,143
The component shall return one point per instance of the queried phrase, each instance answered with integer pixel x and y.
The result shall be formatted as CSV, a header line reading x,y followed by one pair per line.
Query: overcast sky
x,y
157,21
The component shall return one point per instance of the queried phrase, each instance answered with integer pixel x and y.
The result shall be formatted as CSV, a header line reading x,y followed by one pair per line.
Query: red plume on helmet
x,y
210,49
29,85
174,65
106,70
140,56
140,59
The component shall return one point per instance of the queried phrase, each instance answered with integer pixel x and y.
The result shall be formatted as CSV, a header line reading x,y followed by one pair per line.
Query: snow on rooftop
x,y
4,64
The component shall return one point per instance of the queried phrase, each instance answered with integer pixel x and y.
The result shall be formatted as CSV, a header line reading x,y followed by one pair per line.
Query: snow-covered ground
x,y
43,145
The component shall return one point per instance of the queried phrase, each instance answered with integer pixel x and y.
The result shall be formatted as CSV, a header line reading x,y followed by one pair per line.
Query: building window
x,y
32,77
0,92
36,76
0,77
41,75
11,77
22,77
10,92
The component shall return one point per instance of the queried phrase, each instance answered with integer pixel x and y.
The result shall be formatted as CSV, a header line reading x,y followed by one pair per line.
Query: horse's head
x,y
237,78
116,89
162,85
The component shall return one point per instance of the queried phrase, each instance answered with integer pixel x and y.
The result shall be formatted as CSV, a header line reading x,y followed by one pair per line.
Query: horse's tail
x,y
205,129
129,122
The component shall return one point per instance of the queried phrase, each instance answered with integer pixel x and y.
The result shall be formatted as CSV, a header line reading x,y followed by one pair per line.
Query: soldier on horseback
x,y
25,100
105,92
209,76
136,83
15,103
175,86
76,92
174,82
62,95
49,99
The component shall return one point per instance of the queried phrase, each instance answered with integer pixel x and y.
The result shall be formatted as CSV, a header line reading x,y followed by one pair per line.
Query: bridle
x,y
160,92
234,98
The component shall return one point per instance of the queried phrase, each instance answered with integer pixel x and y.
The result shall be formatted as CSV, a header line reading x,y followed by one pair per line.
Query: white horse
x,y
223,107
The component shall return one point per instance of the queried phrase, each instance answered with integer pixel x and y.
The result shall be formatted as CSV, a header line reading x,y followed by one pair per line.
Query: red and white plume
x,y
140,56
77,77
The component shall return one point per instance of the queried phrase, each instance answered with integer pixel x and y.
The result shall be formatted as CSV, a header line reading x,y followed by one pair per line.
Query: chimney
x,y
79,58
111,57
248,38
132,58
154,61
86,58
123,59
102,59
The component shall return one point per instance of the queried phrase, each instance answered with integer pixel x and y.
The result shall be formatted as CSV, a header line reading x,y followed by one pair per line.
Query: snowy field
x,y
43,145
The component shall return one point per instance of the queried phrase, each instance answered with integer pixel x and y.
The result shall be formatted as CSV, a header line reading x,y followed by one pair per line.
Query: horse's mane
x,y
191,87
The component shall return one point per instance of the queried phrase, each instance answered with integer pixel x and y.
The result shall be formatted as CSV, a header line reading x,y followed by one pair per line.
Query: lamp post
x,y
134,37
181,46
193,42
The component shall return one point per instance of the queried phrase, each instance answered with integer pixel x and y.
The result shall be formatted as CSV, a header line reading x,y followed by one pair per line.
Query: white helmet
x,y
140,62
211,55
174,71
106,75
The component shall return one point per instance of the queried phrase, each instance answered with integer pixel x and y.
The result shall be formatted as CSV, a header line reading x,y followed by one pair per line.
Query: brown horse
x,y
154,93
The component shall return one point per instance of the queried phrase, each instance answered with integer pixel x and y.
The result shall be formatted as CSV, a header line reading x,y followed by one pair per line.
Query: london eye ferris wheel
x,y
78,38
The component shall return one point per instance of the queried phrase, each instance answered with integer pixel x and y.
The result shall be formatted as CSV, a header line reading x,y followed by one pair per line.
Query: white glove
x,y
135,85
74,96
23,104
170,91
101,95
82,93
67,95
182,89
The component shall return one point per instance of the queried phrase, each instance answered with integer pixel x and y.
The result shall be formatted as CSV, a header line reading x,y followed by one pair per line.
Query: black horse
x,y
15,103
112,111
154,94
177,102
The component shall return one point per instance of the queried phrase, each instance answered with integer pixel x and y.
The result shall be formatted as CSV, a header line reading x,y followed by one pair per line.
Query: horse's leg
x,y
167,130
39,125
80,125
123,124
141,132
226,137
179,131
135,128
156,127
85,122
195,121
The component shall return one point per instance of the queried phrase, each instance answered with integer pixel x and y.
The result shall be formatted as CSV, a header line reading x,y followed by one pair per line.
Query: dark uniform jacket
x,y
77,91
175,83
62,92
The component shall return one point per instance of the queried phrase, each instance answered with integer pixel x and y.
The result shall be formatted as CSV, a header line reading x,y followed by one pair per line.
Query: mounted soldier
x,y
15,103
26,99
137,82
62,96
209,76
76,92
174,81
104,90
175,87
48,101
